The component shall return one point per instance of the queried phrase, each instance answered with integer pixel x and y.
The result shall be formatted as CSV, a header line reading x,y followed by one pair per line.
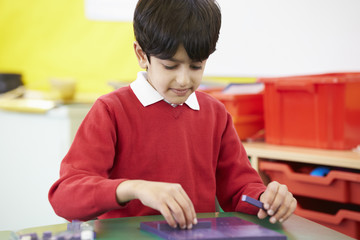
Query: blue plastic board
x,y
214,228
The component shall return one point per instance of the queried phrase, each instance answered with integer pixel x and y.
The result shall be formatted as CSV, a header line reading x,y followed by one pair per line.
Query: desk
x,y
336,158
295,228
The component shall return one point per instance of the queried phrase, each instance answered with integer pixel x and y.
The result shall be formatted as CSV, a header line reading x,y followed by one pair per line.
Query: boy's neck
x,y
172,104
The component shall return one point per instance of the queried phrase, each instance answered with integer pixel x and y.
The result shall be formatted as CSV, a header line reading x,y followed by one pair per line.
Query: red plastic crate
x,y
321,111
241,104
344,221
339,186
247,111
247,126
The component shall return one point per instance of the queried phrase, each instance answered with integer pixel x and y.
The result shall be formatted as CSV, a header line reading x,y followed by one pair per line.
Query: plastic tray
x,y
339,186
344,221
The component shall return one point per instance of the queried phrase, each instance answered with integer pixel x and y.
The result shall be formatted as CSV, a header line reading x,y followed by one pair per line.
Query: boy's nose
x,y
183,79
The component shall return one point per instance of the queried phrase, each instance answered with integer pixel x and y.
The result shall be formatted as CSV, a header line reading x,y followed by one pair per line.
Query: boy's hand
x,y
168,198
278,201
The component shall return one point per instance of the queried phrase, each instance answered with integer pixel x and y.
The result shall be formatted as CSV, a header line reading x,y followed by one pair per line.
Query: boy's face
x,y
175,78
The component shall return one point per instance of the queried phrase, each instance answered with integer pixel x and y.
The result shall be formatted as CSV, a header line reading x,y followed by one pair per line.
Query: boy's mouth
x,y
180,92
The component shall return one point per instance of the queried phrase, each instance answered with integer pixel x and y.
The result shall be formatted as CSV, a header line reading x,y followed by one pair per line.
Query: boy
x,y
157,146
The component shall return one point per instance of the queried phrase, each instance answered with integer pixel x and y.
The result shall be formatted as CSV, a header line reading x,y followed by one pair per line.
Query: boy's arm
x,y
84,190
168,198
236,177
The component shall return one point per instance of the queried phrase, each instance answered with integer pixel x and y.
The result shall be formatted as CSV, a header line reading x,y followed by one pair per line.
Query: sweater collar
x,y
147,95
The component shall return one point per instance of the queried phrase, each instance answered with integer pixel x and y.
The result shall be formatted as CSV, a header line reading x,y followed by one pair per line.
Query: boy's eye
x,y
195,67
172,67
169,67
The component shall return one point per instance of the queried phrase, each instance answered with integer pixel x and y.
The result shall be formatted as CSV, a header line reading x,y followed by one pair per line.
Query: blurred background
x,y
90,42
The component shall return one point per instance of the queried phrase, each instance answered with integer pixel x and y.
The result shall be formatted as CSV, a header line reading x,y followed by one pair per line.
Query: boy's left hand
x,y
279,202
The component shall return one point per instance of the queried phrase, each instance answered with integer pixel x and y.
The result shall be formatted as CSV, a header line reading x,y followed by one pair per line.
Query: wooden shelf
x,y
336,158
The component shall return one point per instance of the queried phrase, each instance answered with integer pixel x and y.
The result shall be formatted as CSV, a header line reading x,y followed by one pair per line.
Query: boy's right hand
x,y
169,199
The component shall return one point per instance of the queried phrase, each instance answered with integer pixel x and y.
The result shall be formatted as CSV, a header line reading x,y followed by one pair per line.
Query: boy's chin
x,y
177,101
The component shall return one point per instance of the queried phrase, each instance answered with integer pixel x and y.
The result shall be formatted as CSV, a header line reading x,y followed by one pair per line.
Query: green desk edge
x,y
295,228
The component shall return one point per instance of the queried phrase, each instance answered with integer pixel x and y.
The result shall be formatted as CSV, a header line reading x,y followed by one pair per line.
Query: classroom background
x,y
89,43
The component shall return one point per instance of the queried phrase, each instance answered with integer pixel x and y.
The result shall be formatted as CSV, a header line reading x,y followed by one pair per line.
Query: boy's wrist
x,y
125,191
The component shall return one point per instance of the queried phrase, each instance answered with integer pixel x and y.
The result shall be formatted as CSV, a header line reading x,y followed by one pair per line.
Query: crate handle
x,y
340,216
327,180
295,86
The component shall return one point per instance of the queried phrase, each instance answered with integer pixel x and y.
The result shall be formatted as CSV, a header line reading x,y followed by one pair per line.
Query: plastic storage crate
x,y
329,214
339,186
321,111
247,111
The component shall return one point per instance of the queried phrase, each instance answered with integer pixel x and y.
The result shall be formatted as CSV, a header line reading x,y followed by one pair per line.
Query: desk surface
x,y
337,158
129,228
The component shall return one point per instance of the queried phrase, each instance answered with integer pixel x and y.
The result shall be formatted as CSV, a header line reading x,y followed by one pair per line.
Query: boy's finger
x,y
189,210
187,207
279,199
285,207
293,205
261,214
169,218
268,196
177,211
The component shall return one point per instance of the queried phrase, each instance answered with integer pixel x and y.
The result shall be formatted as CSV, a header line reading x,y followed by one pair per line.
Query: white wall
x,y
287,37
272,37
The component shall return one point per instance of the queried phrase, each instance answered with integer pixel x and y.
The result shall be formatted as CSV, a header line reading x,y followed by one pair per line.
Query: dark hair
x,y
160,26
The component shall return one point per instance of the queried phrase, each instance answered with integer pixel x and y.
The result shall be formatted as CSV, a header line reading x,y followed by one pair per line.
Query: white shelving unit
x,y
31,149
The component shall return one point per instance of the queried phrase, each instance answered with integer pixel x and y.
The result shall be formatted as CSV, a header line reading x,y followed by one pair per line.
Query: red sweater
x,y
121,139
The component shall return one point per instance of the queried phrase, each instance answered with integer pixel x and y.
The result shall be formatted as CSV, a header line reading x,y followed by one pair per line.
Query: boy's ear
x,y
141,56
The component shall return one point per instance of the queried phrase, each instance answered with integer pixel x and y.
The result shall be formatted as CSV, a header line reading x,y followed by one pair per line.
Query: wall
x,y
287,37
45,39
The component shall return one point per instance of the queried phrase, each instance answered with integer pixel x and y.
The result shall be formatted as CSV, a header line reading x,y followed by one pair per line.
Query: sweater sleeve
x,y
84,190
234,175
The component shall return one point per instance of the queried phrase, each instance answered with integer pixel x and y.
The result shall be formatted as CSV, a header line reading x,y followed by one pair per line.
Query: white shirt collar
x,y
147,95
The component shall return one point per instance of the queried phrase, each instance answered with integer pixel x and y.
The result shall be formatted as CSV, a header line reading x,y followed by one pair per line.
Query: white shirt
x,y
147,95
